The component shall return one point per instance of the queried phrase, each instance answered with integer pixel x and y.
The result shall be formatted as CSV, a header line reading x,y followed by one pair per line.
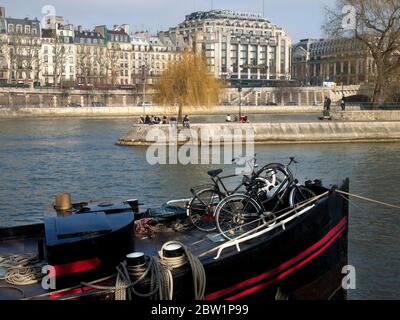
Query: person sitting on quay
x,y
228,118
141,120
186,122
164,120
147,120
244,119
156,120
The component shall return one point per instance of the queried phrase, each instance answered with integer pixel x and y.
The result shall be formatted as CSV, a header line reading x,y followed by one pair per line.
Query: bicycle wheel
x,y
237,214
201,209
299,195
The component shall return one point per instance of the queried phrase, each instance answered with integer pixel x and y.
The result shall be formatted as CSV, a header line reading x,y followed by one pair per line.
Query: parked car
x,y
271,103
292,103
226,103
73,105
145,104
98,104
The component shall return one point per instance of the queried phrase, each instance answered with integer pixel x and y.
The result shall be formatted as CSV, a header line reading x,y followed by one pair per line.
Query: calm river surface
x,y
39,158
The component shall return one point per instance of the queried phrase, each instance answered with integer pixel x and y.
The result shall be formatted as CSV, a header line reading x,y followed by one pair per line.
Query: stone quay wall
x,y
269,133
370,115
121,111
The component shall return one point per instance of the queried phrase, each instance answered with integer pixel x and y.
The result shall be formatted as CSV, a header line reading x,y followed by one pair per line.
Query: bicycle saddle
x,y
214,173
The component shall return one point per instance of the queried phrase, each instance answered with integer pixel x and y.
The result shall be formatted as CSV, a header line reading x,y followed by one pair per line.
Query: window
x,y
27,29
34,31
10,28
19,28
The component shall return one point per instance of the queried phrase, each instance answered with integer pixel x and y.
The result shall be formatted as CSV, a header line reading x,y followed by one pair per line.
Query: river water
x,y
39,158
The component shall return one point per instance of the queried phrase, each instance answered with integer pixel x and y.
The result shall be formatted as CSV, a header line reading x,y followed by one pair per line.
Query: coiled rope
x,y
198,272
161,281
21,269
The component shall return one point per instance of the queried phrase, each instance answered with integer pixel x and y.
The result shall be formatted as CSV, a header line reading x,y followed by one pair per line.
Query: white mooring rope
x,y
198,272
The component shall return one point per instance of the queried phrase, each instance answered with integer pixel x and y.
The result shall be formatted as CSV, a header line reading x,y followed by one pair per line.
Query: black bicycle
x,y
272,190
205,199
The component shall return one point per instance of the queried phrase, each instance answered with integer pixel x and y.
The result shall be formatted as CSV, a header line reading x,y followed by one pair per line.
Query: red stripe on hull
x,y
75,267
286,273
334,232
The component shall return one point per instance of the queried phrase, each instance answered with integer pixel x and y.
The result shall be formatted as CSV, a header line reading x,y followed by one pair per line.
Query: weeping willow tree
x,y
187,83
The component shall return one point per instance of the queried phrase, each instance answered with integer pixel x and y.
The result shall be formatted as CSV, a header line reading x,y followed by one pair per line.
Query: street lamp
x,y
240,99
342,84
144,74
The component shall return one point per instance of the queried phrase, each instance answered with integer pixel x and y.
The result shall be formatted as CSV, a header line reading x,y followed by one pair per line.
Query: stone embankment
x,y
105,112
266,133
370,115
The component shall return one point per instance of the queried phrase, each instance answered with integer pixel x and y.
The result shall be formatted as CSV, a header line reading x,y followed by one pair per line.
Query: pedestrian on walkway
x,y
186,122
343,103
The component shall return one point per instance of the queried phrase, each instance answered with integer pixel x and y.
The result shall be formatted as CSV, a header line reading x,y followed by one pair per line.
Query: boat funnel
x,y
63,202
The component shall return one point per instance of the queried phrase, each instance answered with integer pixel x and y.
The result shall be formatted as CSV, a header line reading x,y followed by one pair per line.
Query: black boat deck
x,y
26,239
17,247
195,240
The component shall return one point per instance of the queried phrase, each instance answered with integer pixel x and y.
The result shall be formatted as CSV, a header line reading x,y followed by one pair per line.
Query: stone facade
x,y
342,61
236,45
20,50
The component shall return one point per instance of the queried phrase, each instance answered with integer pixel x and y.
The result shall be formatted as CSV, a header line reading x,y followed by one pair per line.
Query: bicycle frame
x,y
283,189
218,181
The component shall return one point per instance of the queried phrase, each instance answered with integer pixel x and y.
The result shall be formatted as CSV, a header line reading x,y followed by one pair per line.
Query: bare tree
x,y
84,65
24,60
376,24
59,61
113,67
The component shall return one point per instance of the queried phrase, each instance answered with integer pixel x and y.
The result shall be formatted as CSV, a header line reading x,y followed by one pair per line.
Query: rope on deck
x,y
198,272
21,269
368,199
161,282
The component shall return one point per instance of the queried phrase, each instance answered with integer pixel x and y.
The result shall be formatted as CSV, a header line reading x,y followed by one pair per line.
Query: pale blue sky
x,y
300,18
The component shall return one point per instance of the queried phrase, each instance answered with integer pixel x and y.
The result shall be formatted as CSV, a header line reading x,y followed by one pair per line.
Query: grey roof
x,y
88,34
33,23
225,14
336,45
26,21
155,41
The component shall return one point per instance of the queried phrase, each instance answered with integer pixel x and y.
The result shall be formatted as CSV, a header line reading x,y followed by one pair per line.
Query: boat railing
x,y
236,242
279,222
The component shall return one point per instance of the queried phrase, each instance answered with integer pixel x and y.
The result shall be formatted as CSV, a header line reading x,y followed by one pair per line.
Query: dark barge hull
x,y
303,261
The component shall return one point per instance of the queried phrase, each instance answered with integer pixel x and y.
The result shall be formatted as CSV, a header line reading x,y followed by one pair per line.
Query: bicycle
x,y
205,199
269,192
